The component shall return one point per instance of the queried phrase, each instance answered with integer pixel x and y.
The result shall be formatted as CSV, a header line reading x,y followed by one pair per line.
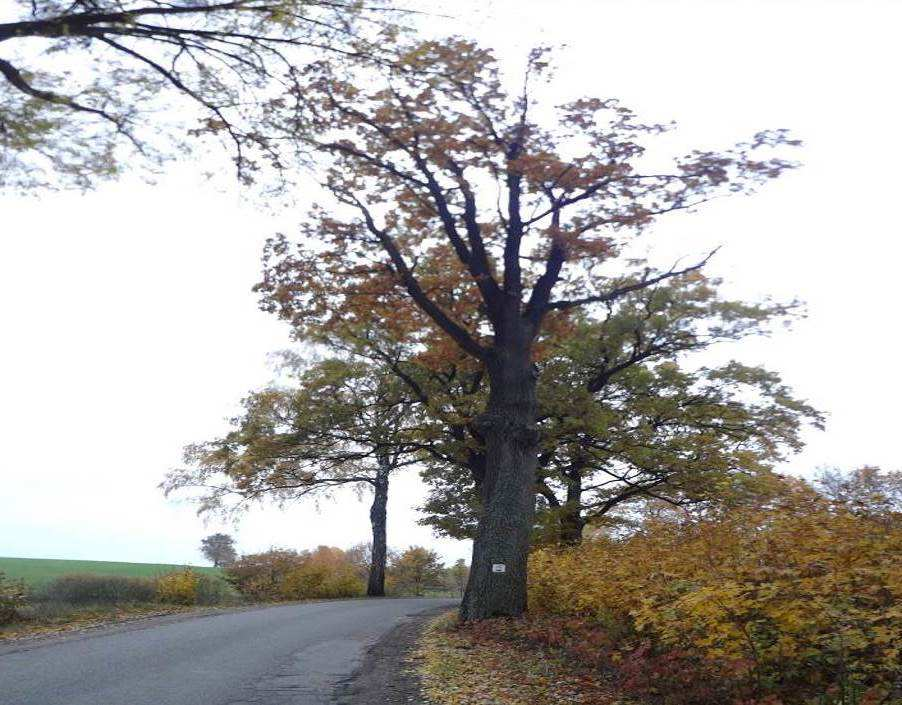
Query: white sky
x,y
129,328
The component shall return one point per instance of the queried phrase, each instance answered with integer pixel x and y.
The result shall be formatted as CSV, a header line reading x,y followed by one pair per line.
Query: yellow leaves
x,y
796,586
178,588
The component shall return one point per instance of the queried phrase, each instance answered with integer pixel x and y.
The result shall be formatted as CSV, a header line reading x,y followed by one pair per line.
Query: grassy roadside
x,y
76,619
75,602
489,664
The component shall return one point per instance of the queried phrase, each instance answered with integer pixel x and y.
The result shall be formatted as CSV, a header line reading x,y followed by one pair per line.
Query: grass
x,y
55,618
39,571
68,595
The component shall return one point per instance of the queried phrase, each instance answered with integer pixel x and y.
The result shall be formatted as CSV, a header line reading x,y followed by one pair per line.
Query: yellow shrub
x,y
326,573
179,587
803,592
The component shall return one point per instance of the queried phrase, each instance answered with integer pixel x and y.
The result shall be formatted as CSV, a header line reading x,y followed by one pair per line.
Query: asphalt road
x,y
287,655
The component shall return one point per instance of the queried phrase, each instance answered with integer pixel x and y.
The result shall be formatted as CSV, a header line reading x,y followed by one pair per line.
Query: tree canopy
x,y
89,85
219,548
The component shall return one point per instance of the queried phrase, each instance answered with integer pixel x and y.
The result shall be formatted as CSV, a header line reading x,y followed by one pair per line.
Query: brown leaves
x,y
490,664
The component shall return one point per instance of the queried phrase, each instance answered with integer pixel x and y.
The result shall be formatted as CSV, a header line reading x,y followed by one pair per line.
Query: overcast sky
x,y
129,328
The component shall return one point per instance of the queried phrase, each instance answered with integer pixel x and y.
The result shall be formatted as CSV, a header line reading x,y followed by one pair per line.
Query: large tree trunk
x,y
497,583
378,512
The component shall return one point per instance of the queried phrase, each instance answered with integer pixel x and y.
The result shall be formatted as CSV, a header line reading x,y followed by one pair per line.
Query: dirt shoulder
x,y
389,674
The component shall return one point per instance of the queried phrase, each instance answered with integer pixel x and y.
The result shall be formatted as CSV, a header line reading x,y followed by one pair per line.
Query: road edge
x,y
28,641
386,674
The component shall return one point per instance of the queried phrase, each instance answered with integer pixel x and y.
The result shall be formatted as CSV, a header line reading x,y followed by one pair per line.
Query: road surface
x,y
286,655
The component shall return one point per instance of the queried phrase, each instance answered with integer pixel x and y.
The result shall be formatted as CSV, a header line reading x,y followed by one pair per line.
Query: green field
x,y
36,571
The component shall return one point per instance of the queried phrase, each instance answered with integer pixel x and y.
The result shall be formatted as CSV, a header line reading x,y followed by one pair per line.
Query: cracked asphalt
x,y
306,654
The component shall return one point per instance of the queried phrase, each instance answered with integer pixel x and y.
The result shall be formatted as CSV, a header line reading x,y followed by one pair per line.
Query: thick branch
x,y
429,307
15,77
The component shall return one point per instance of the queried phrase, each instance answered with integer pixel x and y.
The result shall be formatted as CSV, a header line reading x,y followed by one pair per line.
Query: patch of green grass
x,y
39,571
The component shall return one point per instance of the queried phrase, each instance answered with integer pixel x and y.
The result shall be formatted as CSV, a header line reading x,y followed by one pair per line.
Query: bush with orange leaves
x,y
284,574
795,601
326,572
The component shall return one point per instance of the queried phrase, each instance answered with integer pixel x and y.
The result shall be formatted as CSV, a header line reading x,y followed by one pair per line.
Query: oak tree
x,y
626,413
448,192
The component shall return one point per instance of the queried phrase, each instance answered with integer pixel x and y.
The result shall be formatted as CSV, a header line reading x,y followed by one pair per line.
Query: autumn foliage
x,y
282,574
795,600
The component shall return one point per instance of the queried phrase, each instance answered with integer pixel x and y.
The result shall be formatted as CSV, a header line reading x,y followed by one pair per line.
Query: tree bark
x,y
497,583
378,513
572,521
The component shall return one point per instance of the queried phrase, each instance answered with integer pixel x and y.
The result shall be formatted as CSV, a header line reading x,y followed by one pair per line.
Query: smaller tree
x,y
345,424
457,576
866,491
416,570
219,549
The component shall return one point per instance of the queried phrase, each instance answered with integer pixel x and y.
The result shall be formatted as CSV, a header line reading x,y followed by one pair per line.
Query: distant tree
x,y
344,424
867,490
416,570
458,574
220,549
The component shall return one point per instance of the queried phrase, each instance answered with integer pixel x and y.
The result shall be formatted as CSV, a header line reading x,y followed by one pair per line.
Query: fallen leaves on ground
x,y
462,665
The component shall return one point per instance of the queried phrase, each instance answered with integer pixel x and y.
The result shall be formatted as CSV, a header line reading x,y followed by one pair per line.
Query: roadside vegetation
x,y
328,572
75,600
79,600
793,599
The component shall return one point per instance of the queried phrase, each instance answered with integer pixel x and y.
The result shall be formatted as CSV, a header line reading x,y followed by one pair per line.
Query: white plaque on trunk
x,y
499,568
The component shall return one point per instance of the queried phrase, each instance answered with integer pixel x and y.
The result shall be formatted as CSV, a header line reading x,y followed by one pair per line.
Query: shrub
x,y
213,590
261,576
87,589
12,598
799,599
325,573
178,588
280,574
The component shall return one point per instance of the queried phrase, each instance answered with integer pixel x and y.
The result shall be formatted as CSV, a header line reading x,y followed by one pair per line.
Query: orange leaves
x,y
281,574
